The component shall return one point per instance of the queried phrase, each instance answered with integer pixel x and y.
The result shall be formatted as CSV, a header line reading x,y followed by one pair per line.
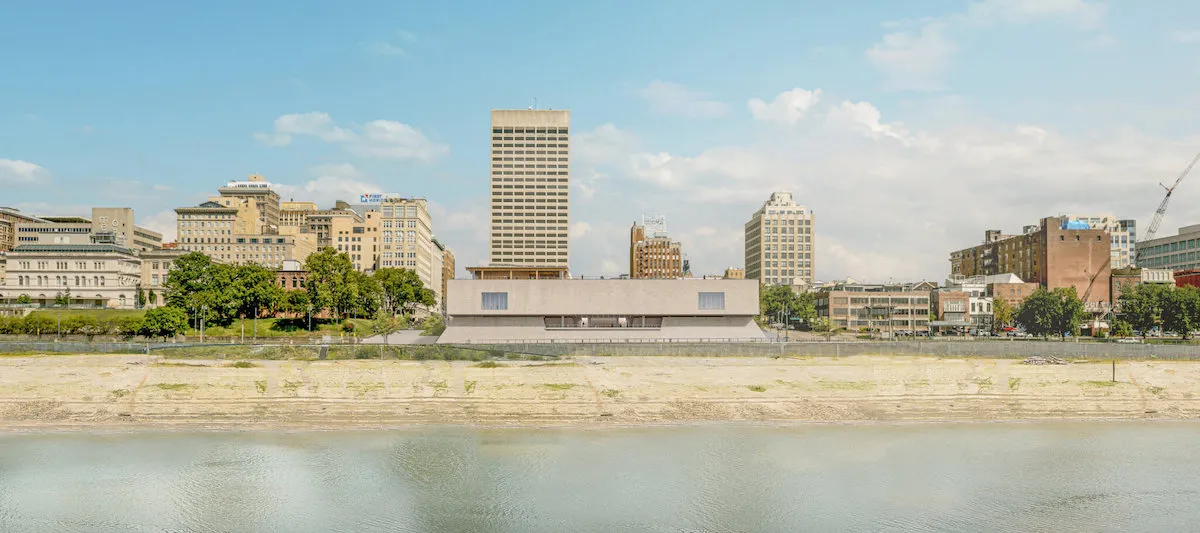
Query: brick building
x,y
654,255
1055,253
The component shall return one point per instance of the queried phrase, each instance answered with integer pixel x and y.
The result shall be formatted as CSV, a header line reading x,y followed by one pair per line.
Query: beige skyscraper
x,y
780,243
530,188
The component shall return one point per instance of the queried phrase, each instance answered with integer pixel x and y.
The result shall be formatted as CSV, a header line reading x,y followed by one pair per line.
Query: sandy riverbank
x,y
113,392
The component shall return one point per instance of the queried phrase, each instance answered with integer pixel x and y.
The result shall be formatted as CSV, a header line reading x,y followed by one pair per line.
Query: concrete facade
x,y
407,239
531,310
209,228
107,224
99,275
530,188
258,191
1176,252
1050,254
9,219
359,240
155,267
882,308
781,243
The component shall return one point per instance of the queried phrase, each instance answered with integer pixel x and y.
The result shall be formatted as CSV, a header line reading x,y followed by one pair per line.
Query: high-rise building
x,y
407,240
530,188
1055,253
255,189
780,243
652,254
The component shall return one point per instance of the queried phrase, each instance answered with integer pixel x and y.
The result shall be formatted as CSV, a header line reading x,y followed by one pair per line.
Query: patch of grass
x,y
1101,383
363,388
487,364
917,383
983,383
172,363
172,386
1155,390
848,385
558,386
555,364
119,393
469,386
244,364
261,386
291,386
756,388
1014,384
611,393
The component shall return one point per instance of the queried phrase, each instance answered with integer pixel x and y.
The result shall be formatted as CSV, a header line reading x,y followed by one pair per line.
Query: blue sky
x,y
908,127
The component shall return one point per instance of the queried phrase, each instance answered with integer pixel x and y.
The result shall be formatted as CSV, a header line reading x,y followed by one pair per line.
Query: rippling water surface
x,y
979,477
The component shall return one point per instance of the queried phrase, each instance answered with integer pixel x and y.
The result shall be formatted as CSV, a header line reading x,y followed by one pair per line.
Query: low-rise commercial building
x,y
291,276
96,275
735,273
1124,279
1176,252
1187,278
9,219
489,311
891,308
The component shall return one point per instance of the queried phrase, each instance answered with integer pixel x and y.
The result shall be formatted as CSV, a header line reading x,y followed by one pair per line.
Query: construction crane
x,y
1162,208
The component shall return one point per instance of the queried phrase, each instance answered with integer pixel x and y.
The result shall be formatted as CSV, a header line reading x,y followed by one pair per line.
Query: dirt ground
x,y
113,392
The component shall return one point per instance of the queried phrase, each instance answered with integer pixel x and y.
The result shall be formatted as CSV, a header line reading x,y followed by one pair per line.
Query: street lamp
x,y
310,323
203,311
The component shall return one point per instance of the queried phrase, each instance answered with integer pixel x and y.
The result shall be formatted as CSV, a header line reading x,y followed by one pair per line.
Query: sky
x,y
908,128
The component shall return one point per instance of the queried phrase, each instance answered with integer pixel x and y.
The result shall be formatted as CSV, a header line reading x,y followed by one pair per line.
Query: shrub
x,y
433,325
348,326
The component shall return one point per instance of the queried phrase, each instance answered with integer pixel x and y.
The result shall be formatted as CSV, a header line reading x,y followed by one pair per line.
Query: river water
x,y
1114,476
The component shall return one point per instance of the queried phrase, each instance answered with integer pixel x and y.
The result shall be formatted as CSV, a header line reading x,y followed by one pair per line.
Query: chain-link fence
x,y
975,348
481,352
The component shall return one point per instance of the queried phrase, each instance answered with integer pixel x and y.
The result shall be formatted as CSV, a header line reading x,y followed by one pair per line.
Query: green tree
x,y
129,326
141,297
1181,311
1070,311
24,299
294,302
775,299
1003,314
331,283
60,299
38,324
151,297
1142,305
254,289
164,322
433,325
1038,312
401,291
1121,328
190,275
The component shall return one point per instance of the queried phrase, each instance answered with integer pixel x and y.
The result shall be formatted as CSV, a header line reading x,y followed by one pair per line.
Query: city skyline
x,y
897,125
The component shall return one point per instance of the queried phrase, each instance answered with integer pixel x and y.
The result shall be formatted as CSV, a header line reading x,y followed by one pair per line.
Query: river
x,y
1111,476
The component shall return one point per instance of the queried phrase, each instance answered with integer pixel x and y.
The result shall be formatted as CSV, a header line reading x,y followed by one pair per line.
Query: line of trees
x,y
1149,306
224,292
164,322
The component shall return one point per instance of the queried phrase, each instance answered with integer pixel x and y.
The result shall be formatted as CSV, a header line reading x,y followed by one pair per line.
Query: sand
x,y
115,392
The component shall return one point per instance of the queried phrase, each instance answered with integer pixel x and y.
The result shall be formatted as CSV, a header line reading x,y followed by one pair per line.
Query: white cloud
x,y
163,222
917,57
788,107
914,60
381,48
1184,36
379,138
395,140
333,182
579,229
892,199
17,172
673,99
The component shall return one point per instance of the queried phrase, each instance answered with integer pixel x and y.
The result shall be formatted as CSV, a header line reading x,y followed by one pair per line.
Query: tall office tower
x,y
780,243
530,187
